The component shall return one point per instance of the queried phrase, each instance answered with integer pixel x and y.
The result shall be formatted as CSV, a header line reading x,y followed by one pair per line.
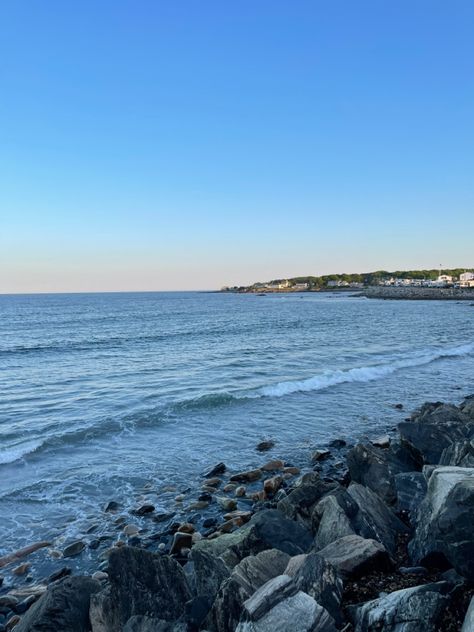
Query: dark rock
x,y
434,429
337,443
150,624
410,610
163,517
316,577
196,611
74,549
411,489
64,606
144,509
299,503
268,595
460,453
112,505
247,477
445,521
264,446
94,544
209,572
381,442
413,570
140,583
247,577
399,406
354,556
320,455
468,625
220,468
374,519
63,572
375,468
26,604
207,523
180,541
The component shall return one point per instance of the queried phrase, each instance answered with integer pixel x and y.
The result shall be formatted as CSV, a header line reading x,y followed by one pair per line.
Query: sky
x,y
152,145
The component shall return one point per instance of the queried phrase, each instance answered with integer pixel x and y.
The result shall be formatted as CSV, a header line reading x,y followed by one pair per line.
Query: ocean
x,y
120,396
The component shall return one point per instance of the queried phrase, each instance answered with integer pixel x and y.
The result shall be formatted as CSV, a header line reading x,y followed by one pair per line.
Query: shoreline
x,y
418,294
387,476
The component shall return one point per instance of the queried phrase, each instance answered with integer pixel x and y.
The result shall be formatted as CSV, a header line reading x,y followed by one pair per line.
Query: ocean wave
x,y
18,451
361,374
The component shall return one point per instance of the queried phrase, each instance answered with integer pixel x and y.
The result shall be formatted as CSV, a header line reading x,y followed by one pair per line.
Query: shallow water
x,y
102,394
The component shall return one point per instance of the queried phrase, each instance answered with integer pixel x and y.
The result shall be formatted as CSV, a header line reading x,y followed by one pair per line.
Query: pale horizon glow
x,y
157,146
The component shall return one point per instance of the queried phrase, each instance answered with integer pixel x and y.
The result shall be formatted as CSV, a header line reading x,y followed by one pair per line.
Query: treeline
x,y
370,278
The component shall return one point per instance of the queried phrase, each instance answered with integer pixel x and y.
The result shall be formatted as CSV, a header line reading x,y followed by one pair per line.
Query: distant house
x,y
300,286
445,278
466,276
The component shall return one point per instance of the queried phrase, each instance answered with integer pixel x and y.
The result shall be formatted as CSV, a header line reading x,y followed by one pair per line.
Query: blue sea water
x,y
118,395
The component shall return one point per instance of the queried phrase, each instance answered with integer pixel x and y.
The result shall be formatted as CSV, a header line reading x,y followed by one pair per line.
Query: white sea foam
x,y
18,451
361,374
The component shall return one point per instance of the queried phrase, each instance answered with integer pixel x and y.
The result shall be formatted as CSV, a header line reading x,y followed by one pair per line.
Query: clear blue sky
x,y
185,145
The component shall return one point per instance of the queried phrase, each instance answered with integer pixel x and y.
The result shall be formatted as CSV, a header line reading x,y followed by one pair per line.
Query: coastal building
x,y
466,276
299,287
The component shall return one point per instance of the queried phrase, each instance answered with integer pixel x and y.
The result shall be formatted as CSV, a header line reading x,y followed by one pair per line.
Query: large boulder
x,y
267,529
64,606
278,606
140,583
410,610
375,468
208,571
411,489
353,556
299,503
247,577
460,453
374,519
445,521
319,579
433,429
150,624
334,523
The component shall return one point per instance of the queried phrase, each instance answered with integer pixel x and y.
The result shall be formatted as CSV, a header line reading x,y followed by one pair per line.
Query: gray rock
x,y
445,520
64,606
320,455
210,572
375,468
460,454
268,595
267,529
74,549
353,556
410,610
434,429
411,489
247,577
218,469
468,625
150,624
333,522
140,583
374,520
319,579
299,610
299,503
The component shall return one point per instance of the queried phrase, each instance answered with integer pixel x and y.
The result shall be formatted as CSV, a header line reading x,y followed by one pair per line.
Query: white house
x,y
466,276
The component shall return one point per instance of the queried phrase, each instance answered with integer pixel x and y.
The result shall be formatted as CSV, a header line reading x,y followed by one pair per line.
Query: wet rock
x,y
209,522
163,517
227,504
112,505
62,572
213,482
460,454
240,491
100,576
22,569
13,622
249,575
264,446
218,469
152,624
354,556
433,429
319,579
144,509
74,549
180,541
445,519
8,601
398,406
381,442
64,606
337,443
273,466
140,583
375,468
27,550
208,573
412,610
410,488
413,570
468,625
374,519
247,477
229,488
298,504
272,485
131,530
26,604
333,522
276,608
320,455
291,470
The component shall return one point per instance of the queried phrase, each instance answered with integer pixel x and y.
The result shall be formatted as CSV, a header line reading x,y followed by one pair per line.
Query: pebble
x,y
292,470
413,570
381,442
130,529
100,576
272,466
243,515
8,601
179,498
200,504
209,522
272,485
112,505
163,517
74,549
227,504
22,569
24,605
206,496
94,544
337,443
399,406
246,477
220,468
144,509
186,527
229,488
213,482
180,541
263,446
168,488
240,491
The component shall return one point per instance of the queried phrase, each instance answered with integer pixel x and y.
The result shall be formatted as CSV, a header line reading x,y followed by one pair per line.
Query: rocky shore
x,y
372,537
419,293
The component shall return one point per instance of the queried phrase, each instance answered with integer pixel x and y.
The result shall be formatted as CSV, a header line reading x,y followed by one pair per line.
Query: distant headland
x,y
419,281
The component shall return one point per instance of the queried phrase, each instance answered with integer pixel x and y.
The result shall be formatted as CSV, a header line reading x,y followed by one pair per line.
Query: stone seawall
x,y
419,293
